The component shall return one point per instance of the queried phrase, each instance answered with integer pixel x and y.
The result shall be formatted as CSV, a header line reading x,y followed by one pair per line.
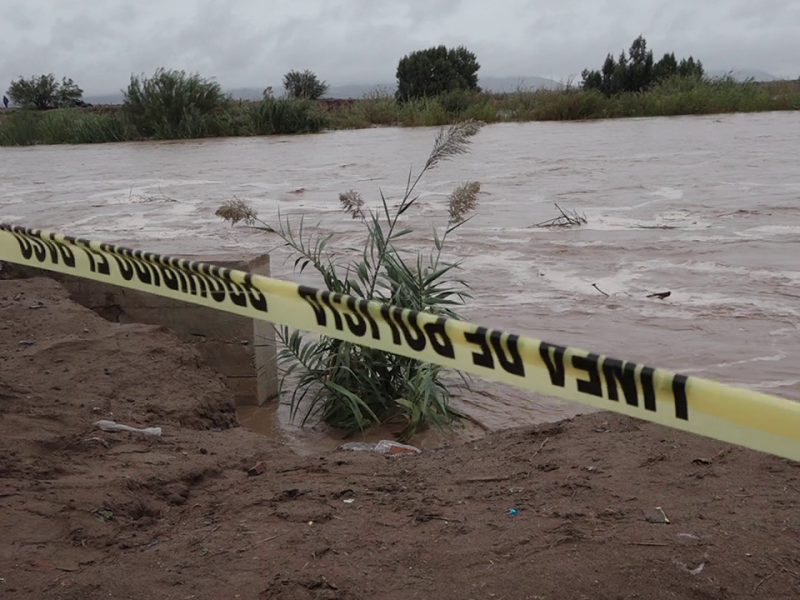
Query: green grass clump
x,y
287,116
65,126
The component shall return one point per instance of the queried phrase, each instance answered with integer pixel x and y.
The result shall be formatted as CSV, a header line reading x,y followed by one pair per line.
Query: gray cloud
x,y
253,42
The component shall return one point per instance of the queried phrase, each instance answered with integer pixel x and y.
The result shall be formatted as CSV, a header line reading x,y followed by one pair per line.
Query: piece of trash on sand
x,y
382,447
513,512
389,447
349,500
660,295
357,447
257,469
656,515
112,426
683,566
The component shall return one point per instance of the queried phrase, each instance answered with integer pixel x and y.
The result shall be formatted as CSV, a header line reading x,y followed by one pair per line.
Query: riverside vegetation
x,y
173,105
352,386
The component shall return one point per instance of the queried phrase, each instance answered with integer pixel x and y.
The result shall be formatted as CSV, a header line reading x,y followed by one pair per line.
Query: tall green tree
x,y
304,85
691,68
666,67
431,72
45,92
636,71
640,67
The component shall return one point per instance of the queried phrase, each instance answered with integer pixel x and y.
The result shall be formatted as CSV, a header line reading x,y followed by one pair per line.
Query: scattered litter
x,y
26,343
257,469
656,515
701,461
513,512
591,469
688,535
358,447
389,447
515,490
660,295
103,515
696,571
97,440
37,304
156,543
382,447
349,500
112,426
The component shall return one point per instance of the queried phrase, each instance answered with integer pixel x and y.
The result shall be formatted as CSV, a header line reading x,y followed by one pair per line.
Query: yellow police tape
x,y
734,415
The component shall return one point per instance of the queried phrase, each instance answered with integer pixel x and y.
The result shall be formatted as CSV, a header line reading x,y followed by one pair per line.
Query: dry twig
x,y
567,219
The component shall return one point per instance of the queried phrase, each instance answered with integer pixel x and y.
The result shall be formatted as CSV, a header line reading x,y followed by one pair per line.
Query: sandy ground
x,y
86,514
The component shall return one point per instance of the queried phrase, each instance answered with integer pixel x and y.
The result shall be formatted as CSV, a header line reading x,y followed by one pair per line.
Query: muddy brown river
x,y
707,208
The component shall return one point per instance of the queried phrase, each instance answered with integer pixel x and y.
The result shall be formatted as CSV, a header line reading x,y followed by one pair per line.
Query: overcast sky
x,y
251,43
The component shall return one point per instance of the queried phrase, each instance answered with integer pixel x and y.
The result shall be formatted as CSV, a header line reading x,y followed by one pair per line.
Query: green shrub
x,y
21,128
287,116
65,126
456,102
172,105
423,112
378,107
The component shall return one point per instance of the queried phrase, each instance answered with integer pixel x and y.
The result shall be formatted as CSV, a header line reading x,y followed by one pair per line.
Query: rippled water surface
x,y
705,207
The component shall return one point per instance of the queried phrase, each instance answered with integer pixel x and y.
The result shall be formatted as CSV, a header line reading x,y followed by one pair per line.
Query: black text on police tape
x,y
607,377
149,269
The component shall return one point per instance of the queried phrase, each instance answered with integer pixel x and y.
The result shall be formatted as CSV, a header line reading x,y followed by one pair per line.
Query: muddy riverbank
x,y
599,506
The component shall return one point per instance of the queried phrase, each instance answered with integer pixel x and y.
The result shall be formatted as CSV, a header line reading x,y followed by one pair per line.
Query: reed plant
x,y
352,386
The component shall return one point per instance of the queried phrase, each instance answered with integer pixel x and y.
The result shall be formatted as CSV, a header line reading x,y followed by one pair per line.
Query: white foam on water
x,y
725,365
777,230
775,385
668,193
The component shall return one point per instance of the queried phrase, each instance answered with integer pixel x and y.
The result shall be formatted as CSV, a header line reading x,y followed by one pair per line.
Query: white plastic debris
x,y
382,447
389,447
113,426
357,447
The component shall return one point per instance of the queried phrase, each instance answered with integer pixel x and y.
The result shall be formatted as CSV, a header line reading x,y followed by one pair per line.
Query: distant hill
x,y
103,98
742,74
511,84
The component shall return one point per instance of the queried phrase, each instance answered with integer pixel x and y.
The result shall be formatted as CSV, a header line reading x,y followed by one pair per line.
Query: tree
x,y
636,72
431,72
45,92
640,68
304,85
691,68
665,68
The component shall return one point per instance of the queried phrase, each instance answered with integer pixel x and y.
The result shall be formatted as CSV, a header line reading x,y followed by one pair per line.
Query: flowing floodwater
x,y
705,207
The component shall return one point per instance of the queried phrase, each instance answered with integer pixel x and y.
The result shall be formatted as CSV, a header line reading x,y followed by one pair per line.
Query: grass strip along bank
x,y
176,110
